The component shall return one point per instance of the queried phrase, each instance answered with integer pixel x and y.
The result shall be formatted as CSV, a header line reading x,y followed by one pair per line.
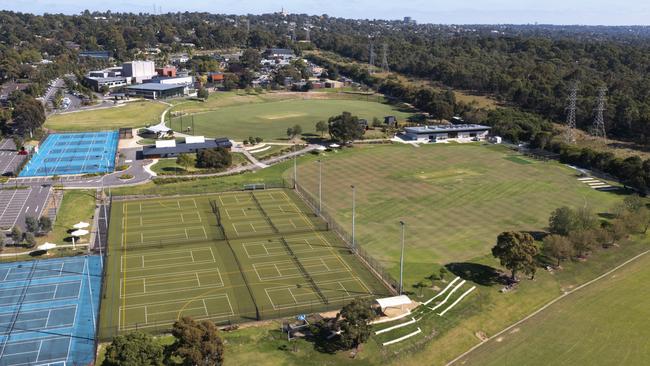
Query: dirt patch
x,y
481,335
282,116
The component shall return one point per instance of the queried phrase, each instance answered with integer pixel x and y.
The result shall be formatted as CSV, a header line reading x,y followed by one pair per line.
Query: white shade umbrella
x,y
81,225
46,246
79,232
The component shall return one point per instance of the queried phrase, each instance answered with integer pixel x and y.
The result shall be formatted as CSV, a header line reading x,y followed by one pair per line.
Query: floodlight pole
x,y
295,167
320,186
401,262
353,215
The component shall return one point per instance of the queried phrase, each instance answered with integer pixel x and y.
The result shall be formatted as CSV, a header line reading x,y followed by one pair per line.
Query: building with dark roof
x,y
441,133
156,90
187,147
102,55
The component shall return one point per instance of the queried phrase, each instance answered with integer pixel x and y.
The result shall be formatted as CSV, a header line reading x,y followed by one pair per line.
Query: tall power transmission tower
x,y
371,62
569,135
384,58
598,129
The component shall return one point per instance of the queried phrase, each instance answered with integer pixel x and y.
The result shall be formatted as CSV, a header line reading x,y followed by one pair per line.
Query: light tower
x,y
384,58
371,62
598,130
569,135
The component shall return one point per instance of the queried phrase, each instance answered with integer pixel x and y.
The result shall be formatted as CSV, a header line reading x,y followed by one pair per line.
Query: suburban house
x,y
442,133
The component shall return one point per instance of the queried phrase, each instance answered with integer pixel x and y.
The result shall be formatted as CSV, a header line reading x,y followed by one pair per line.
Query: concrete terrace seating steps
x,y
461,297
403,338
597,184
423,310
267,147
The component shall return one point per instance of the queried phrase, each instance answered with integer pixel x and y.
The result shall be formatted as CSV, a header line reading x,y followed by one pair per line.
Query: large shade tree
x,y
516,251
197,343
134,349
345,127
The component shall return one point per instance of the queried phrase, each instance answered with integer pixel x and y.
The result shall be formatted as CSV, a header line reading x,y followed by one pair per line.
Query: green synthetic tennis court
x,y
227,257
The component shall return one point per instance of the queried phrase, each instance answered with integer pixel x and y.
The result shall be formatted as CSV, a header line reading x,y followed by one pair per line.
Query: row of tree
x,y
196,343
573,233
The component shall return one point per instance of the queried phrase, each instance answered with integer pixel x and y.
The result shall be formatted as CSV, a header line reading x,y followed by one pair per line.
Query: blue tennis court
x,y
74,153
48,311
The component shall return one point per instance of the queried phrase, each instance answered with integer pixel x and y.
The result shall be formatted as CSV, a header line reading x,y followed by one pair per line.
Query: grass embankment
x,y
598,325
169,166
133,114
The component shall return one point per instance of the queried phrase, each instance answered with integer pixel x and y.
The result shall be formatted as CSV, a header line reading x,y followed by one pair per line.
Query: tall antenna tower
x,y
307,32
293,34
569,135
371,62
384,58
598,129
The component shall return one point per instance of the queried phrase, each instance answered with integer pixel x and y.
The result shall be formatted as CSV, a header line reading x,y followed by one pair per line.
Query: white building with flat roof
x,y
442,133
139,71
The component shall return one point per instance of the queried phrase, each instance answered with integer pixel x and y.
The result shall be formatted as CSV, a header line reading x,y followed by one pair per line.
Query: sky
x,y
593,12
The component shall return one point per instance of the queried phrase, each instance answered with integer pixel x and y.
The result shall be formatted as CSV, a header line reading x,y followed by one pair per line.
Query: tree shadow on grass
x,y
478,273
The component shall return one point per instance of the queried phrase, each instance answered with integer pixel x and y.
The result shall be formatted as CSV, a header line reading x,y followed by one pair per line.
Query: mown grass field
x,y
602,324
169,166
455,199
270,119
133,114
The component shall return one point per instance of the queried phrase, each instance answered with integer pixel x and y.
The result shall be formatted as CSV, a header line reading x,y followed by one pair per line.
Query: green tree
x,y
16,235
197,343
297,130
28,115
583,241
557,247
217,158
321,126
186,160
31,224
355,322
203,93
251,58
345,127
443,273
633,203
45,224
562,221
433,278
516,251
134,349
376,122
30,239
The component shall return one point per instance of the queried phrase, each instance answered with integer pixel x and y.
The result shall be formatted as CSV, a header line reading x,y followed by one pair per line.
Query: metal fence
x,y
365,257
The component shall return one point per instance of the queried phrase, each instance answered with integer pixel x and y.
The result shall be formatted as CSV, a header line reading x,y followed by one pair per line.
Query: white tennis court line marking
x,y
205,307
295,301
198,281
144,285
192,255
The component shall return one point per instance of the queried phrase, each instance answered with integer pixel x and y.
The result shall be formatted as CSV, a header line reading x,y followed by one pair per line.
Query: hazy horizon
x,y
557,12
